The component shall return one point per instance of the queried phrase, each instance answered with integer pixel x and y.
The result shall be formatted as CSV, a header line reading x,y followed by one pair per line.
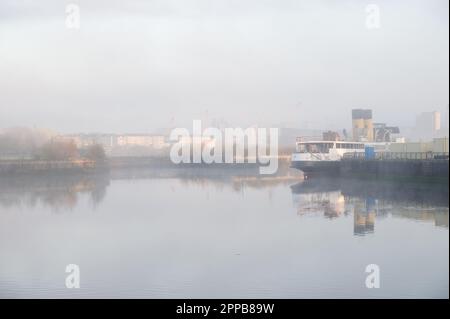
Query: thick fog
x,y
136,66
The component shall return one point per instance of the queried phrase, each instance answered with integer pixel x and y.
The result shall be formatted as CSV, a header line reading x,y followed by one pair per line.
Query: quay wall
x,y
432,168
12,167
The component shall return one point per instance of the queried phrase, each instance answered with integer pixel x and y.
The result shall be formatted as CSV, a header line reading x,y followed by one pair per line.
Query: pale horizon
x,y
139,66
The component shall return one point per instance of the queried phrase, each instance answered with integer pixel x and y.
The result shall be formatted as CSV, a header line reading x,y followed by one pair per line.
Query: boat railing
x,y
399,155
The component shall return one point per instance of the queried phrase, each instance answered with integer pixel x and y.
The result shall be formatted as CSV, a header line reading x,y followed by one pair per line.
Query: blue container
x,y
369,152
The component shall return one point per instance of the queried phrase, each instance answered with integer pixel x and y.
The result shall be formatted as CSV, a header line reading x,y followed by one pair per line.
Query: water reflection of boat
x,y
417,194
332,204
367,201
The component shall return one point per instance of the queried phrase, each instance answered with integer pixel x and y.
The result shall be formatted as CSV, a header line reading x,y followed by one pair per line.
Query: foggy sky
x,y
134,66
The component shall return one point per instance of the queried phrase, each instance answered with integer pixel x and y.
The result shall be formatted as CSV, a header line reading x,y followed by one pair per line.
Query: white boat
x,y
322,157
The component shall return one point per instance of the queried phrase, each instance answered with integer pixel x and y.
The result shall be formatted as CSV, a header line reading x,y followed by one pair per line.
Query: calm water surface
x,y
141,235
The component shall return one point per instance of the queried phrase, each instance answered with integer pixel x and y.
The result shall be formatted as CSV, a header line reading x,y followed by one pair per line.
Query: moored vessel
x,y
322,157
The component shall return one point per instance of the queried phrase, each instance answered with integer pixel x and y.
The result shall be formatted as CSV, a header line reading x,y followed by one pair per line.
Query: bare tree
x,y
58,150
96,153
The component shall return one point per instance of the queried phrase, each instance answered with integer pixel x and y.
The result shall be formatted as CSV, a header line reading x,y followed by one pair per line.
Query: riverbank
x,y
155,164
38,167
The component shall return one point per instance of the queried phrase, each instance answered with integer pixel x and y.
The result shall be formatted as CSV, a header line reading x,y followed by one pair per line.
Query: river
x,y
144,234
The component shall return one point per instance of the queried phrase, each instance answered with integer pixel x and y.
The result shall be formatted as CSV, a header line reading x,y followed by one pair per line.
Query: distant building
x,y
159,141
108,141
155,141
121,145
362,125
428,125
331,136
288,136
135,140
438,146
384,133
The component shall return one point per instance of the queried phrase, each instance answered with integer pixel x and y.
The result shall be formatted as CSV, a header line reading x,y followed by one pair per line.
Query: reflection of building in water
x,y
437,215
441,220
364,214
367,201
334,204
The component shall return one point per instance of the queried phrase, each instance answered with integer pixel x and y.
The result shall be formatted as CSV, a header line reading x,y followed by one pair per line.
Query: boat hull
x,y
310,168
418,170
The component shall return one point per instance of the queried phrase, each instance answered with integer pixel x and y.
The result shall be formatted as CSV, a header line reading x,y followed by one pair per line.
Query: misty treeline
x,y
42,144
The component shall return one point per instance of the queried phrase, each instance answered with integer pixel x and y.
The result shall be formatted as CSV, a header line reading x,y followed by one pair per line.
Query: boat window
x,y
325,147
314,147
350,146
301,148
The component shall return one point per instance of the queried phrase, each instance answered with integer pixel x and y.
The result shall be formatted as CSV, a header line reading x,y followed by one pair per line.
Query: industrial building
x,y
438,146
120,145
362,125
428,125
384,133
364,130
